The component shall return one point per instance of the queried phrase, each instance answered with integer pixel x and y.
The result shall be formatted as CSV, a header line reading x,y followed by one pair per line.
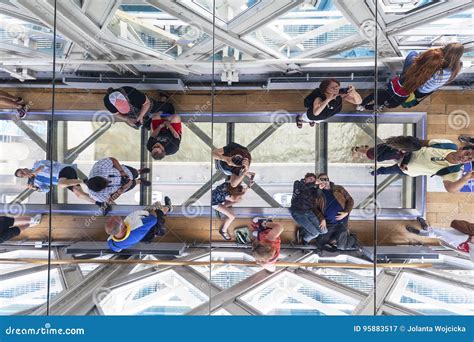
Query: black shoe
x,y
422,223
413,230
464,138
145,182
168,204
299,237
144,170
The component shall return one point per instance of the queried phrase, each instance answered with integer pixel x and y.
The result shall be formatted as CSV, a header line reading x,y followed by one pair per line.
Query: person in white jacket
x,y
459,237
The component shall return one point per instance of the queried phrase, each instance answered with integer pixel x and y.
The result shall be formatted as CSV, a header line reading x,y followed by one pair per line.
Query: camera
x,y
237,160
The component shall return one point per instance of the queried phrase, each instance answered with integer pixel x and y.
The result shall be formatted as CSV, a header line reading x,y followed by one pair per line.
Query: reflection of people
x,y
447,72
8,101
332,205
11,227
304,193
393,148
64,176
165,137
437,157
326,101
223,197
134,107
233,160
460,236
266,246
108,179
421,74
139,226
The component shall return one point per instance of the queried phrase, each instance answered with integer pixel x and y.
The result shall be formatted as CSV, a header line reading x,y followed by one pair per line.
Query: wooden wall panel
x,y
441,207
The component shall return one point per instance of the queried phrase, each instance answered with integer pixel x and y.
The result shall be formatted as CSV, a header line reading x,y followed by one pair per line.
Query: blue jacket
x,y
138,225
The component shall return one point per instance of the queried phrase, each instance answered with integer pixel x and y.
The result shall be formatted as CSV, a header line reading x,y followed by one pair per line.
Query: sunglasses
x,y
324,179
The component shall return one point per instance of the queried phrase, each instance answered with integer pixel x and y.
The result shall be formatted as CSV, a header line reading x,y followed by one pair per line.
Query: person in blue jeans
x,y
333,205
302,202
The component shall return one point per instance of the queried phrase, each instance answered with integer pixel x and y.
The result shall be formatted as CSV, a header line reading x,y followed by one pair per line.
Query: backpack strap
x,y
448,170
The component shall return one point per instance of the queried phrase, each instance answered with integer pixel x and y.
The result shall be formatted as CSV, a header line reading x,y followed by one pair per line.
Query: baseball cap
x,y
118,100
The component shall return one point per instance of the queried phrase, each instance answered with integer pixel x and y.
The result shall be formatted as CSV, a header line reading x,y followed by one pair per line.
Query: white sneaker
x,y
35,220
360,108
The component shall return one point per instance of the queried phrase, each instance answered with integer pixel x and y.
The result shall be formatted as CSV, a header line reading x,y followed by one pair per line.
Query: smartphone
x,y
343,90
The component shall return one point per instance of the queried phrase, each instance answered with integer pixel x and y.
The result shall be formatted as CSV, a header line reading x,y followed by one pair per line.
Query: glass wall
x,y
235,158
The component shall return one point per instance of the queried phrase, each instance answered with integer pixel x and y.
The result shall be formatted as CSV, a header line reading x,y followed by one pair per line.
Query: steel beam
x,y
377,296
79,300
229,295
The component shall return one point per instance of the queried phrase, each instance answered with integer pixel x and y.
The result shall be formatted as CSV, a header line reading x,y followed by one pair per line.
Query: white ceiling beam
x,y
18,13
428,15
334,24
334,47
244,23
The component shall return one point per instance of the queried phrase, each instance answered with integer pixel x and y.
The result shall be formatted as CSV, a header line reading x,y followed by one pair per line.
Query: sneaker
x,y
360,108
35,220
413,230
168,204
144,170
422,222
466,139
21,113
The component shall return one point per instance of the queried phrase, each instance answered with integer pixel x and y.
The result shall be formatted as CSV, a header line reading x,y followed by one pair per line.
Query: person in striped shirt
x,y
421,75
63,175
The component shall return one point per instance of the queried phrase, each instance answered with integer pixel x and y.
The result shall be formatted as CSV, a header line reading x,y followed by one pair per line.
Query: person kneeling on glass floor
x,y
166,135
134,107
233,160
301,209
108,179
459,237
64,176
11,227
332,205
266,246
436,157
139,226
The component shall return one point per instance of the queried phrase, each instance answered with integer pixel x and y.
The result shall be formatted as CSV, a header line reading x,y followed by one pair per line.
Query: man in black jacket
x,y
302,202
